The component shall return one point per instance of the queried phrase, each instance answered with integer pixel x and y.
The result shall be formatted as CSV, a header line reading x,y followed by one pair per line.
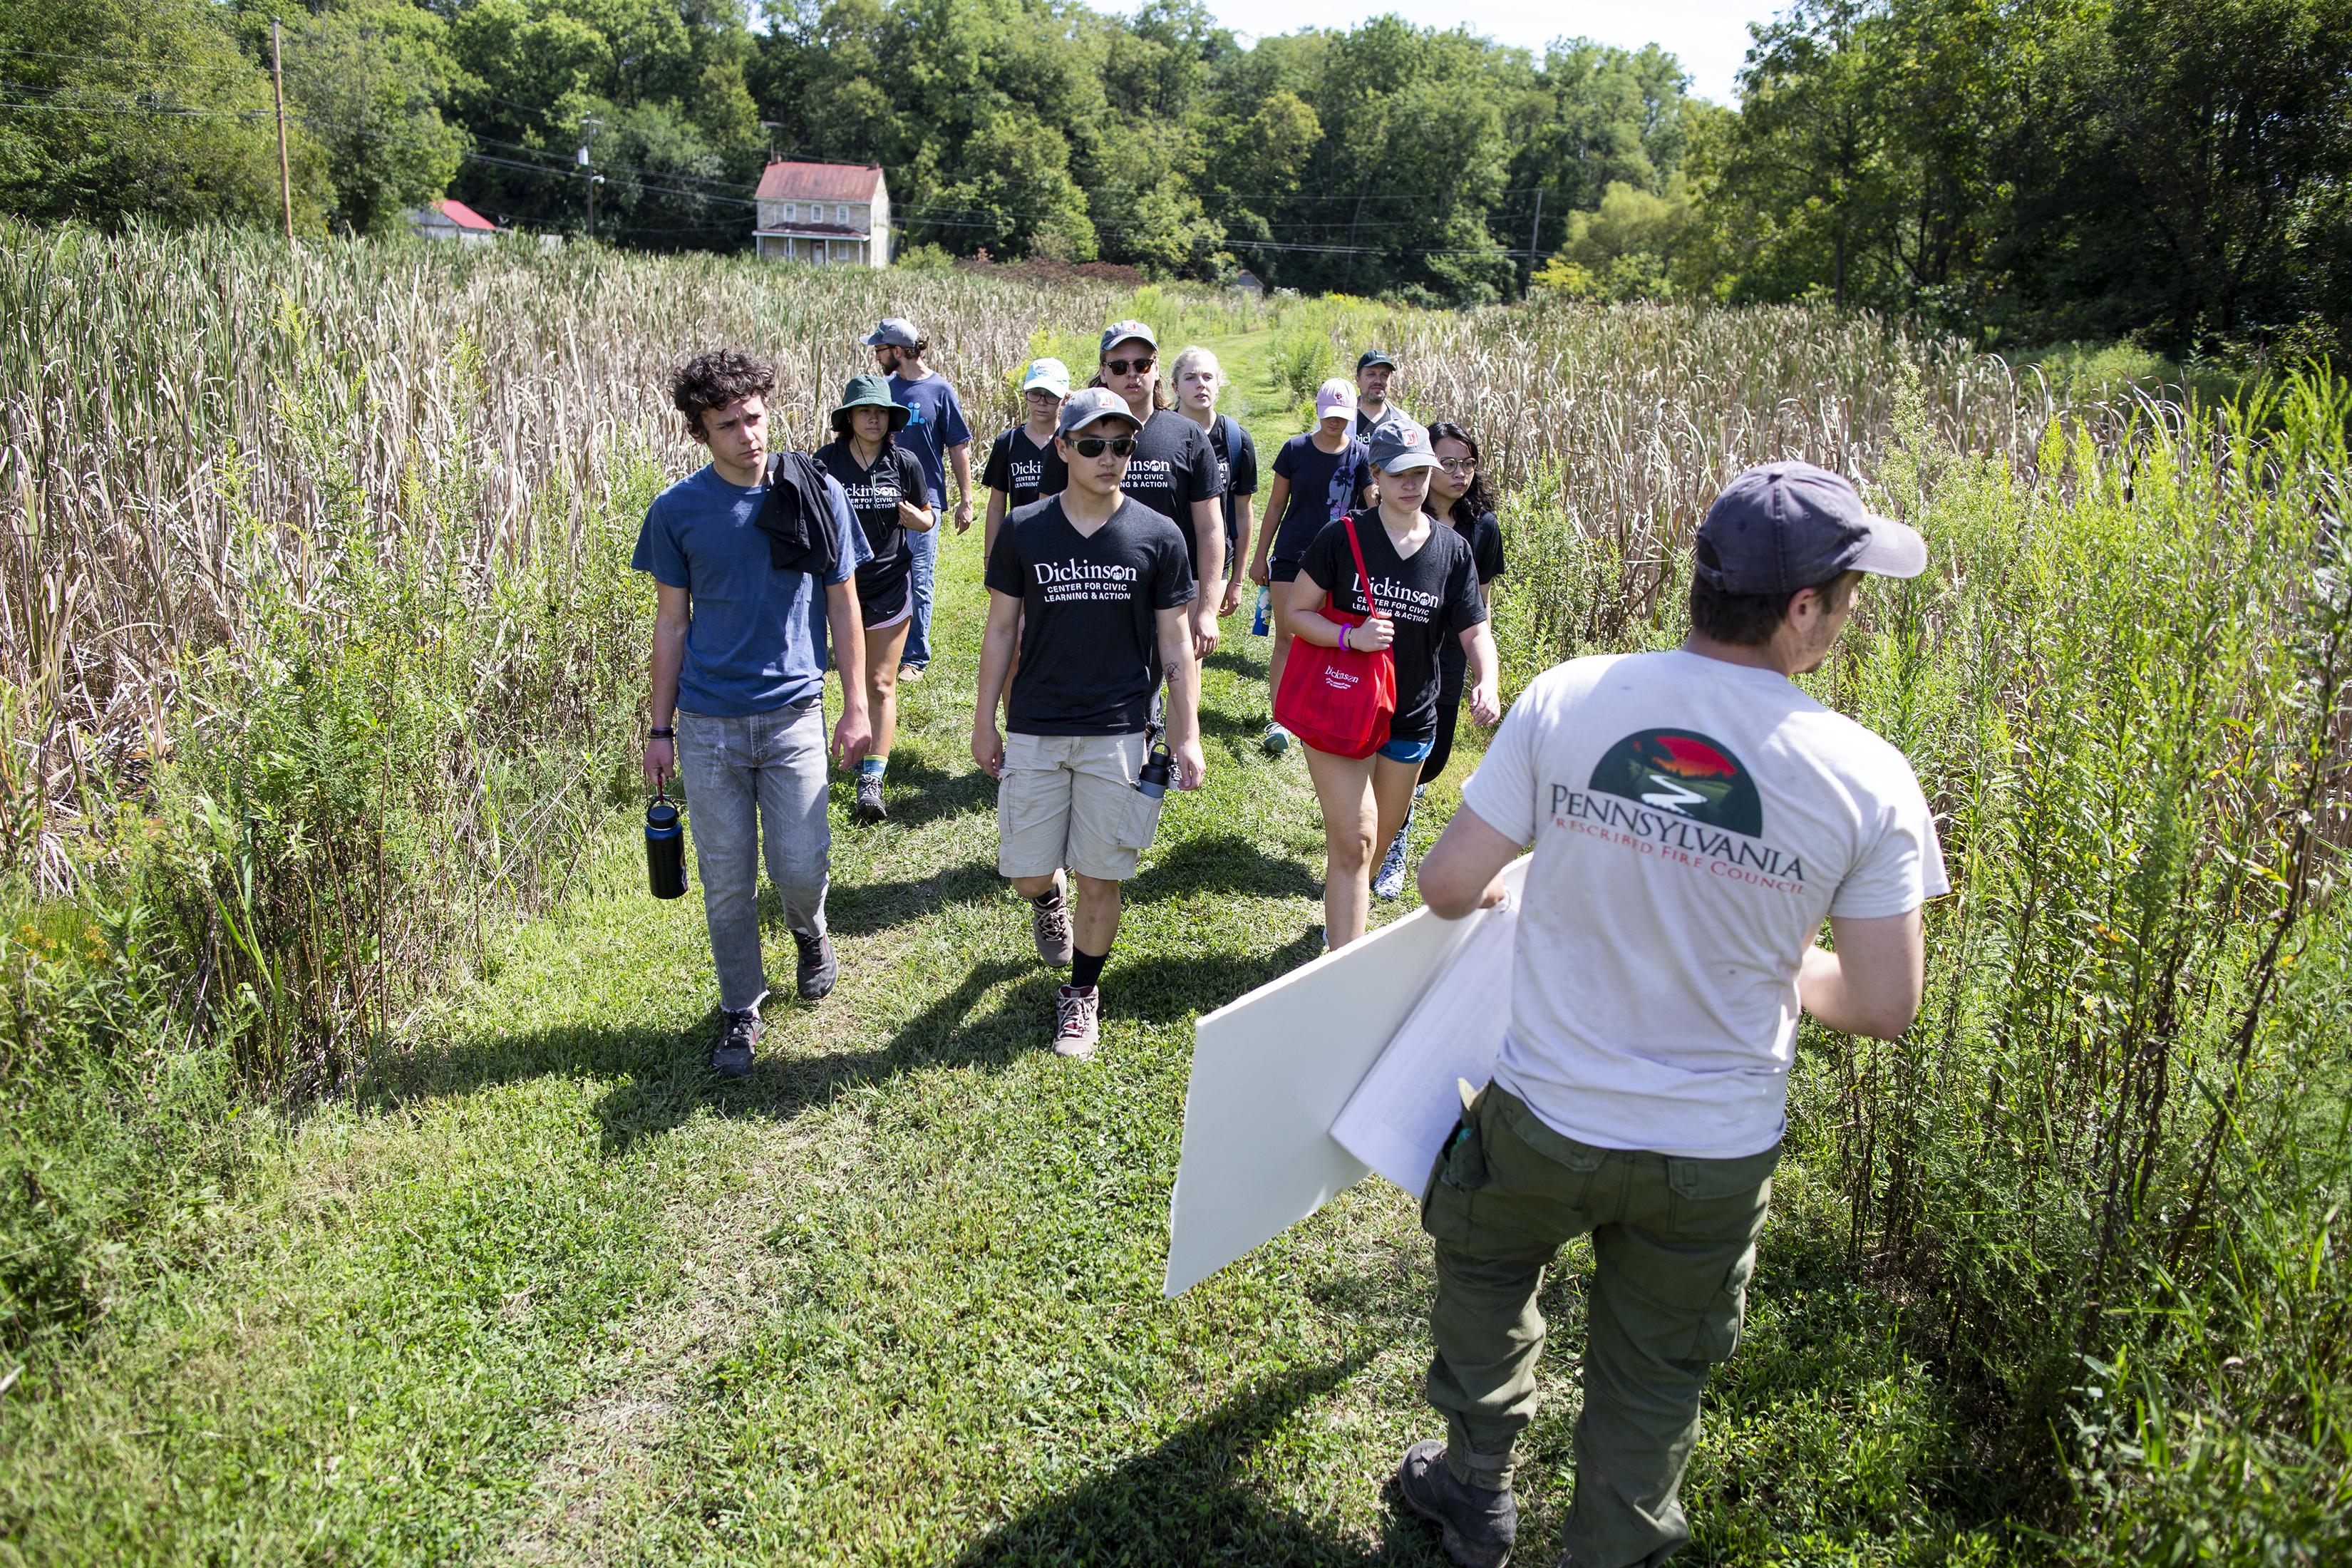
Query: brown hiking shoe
x,y
1078,1022
1049,922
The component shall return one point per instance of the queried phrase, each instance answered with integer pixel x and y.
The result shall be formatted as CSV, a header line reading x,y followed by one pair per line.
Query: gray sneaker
x,y
1477,1526
1276,741
732,1057
869,799
1049,922
1387,882
818,967
1078,1022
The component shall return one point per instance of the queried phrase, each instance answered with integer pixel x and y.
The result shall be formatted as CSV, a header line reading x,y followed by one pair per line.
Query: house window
x,y
792,212
841,216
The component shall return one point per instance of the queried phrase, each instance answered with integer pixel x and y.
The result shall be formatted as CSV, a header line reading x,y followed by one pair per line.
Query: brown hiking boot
x,y
1049,922
1078,1022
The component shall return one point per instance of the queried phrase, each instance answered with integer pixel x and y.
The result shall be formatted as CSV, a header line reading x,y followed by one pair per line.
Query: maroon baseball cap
x,y
1786,526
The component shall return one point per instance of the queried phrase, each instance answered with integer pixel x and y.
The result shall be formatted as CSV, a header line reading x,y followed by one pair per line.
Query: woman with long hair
x,y
1460,497
1419,590
885,486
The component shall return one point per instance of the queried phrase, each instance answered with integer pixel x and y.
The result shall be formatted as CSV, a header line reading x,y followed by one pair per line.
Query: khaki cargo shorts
x,y
1071,800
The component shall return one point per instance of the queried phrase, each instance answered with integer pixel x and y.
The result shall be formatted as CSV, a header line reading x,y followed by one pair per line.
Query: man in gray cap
x,y
1695,817
937,434
1097,588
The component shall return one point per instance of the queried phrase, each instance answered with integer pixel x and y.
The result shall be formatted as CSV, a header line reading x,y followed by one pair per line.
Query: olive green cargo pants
x,y
1675,1243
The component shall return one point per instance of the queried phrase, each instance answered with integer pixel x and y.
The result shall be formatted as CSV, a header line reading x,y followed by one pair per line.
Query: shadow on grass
x,y
863,908
918,793
1223,863
1249,664
1185,1501
1166,987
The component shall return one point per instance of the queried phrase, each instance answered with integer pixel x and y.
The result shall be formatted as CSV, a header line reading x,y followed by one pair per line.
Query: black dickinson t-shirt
x,y
1024,470
1236,475
1486,537
874,497
1090,635
1434,595
1173,466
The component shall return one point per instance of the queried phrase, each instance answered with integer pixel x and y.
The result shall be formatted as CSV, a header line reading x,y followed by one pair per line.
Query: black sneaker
x,y
817,966
1477,1526
869,799
732,1057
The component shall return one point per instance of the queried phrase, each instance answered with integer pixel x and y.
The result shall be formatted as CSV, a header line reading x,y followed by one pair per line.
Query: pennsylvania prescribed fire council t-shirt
x,y
1693,822
1091,607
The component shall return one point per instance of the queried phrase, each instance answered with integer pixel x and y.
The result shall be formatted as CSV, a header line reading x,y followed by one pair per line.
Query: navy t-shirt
x,y
1486,537
934,424
1023,469
1090,613
1432,596
756,641
1236,475
1324,487
873,496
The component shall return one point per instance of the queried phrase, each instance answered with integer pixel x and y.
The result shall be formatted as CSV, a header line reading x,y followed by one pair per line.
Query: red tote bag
x,y
1339,699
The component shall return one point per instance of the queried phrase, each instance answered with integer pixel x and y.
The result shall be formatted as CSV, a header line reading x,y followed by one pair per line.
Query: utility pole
x,y
1535,237
587,125
771,125
278,88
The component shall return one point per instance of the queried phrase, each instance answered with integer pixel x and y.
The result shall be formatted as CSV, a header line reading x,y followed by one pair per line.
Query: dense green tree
x,y
367,80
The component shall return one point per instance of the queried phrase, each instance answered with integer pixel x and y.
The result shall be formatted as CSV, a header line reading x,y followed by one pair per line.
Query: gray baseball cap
x,y
1089,404
1786,526
895,330
1119,332
1399,444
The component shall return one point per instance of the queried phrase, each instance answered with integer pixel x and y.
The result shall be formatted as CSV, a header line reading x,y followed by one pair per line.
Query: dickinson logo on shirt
x,y
1064,581
1683,797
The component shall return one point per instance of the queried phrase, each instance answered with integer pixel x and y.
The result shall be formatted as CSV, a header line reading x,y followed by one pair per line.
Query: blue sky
x,y
1710,37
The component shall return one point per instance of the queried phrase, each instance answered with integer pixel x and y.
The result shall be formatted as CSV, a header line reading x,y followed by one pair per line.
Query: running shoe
x,y
1389,881
1276,741
732,1056
869,799
910,673
1078,1022
818,967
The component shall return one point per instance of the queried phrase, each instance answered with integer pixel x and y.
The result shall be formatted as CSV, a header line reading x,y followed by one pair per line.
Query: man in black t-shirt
x,y
1174,469
1097,589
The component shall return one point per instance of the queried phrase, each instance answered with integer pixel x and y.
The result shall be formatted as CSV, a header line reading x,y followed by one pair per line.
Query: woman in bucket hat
x,y
885,488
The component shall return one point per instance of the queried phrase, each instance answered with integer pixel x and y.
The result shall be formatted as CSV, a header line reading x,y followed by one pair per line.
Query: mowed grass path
x,y
544,1290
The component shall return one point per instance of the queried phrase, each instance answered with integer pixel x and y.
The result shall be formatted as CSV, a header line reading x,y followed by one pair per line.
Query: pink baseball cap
x,y
1335,396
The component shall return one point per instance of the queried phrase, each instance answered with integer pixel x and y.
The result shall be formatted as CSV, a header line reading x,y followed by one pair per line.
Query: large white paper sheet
x,y
1270,1073
1400,1113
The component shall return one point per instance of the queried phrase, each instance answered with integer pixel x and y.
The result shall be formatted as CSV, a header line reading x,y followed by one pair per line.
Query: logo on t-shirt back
x,y
1689,774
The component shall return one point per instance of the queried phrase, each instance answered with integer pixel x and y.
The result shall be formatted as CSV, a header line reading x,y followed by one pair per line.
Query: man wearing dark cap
x,y
1695,817
937,434
1097,590
1375,370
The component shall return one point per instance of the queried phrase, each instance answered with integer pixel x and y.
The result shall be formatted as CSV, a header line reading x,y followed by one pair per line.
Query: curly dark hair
x,y
715,379
1479,499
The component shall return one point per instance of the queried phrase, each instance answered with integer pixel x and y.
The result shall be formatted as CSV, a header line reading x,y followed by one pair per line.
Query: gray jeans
x,y
751,785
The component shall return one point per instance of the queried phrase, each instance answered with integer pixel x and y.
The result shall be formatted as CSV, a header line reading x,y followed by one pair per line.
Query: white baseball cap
x,y
1046,375
1335,396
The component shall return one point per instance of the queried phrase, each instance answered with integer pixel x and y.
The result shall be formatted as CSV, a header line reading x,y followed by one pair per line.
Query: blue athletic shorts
x,y
1409,751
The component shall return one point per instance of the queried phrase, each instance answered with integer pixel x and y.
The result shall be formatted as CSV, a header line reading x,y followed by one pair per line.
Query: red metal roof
x,y
785,182
464,217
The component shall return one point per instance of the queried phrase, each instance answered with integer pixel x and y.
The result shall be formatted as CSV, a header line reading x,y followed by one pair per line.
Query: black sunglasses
x,y
1092,446
1122,367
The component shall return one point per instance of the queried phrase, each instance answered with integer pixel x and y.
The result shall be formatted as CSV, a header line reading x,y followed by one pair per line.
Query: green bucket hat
x,y
867,392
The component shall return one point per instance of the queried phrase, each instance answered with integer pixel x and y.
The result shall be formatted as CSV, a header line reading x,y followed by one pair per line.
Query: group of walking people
x,y
1696,818
1116,518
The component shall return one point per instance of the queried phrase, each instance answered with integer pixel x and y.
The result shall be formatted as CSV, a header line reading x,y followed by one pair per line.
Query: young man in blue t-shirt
x,y
941,439
738,661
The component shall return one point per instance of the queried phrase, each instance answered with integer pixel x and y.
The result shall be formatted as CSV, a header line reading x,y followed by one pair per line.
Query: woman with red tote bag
x,y
1383,580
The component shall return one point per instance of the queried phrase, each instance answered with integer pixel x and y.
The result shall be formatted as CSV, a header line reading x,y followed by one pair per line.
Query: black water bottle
x,y
664,848
1152,778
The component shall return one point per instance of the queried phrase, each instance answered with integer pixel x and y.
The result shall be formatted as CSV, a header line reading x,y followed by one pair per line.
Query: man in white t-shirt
x,y
1695,817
